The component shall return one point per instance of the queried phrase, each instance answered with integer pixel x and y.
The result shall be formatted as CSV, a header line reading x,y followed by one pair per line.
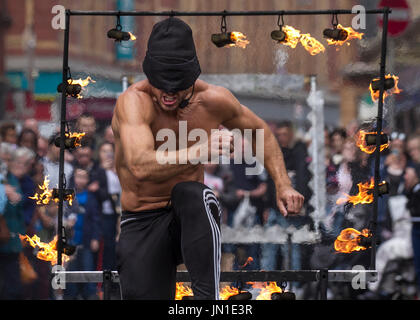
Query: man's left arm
x,y
240,117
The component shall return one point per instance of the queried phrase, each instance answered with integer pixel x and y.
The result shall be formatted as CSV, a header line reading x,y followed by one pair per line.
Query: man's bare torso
x,y
145,195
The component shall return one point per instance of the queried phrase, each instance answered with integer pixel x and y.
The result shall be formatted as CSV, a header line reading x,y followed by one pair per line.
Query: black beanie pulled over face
x,y
171,62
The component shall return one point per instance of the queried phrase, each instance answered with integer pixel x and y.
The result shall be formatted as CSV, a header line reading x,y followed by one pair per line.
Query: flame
x,y
349,240
311,45
361,142
77,135
364,196
224,293
228,291
351,34
247,262
182,290
239,38
293,37
132,36
47,251
266,289
375,93
46,195
83,83
68,198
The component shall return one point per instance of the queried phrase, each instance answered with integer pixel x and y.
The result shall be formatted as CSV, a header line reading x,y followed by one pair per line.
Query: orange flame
x,y
78,137
364,196
47,251
132,36
82,82
47,194
182,290
68,197
228,291
375,93
293,37
349,240
247,262
239,38
266,289
361,142
351,34
311,45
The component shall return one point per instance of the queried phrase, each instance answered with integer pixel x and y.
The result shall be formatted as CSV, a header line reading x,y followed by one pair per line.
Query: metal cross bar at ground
x,y
232,276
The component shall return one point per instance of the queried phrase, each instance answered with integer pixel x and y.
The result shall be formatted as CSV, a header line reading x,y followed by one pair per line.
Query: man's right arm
x,y
133,115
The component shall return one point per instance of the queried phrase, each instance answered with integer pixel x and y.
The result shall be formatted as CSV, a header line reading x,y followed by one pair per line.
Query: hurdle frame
x,y
323,276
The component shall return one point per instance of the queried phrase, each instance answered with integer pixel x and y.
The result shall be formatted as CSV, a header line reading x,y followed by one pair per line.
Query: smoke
x,y
280,58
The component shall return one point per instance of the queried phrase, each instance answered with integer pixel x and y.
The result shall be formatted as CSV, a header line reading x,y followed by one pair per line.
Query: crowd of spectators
x,y
92,222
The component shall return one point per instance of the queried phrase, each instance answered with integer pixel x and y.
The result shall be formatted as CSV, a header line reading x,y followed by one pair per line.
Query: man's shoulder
x,y
134,102
137,92
218,99
211,91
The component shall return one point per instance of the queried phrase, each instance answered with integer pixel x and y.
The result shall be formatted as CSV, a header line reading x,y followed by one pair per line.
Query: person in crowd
x,y
22,167
296,161
42,147
45,226
337,138
86,123
51,164
13,215
413,148
412,191
345,184
395,163
83,158
86,226
109,194
211,180
8,132
31,124
109,197
255,187
29,139
107,136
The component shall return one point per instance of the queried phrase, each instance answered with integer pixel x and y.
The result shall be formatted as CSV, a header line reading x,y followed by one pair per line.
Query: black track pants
x,y
153,242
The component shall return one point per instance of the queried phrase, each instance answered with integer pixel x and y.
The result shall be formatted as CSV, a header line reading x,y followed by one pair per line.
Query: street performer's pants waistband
x,y
143,214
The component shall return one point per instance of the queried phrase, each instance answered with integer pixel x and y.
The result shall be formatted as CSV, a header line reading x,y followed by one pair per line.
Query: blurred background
x,y
273,80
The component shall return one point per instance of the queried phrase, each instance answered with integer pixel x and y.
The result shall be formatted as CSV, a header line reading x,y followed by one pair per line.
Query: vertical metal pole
x,y
62,137
374,221
289,255
106,284
323,284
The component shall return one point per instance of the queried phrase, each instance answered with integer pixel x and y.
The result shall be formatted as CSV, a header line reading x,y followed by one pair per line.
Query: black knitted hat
x,y
171,62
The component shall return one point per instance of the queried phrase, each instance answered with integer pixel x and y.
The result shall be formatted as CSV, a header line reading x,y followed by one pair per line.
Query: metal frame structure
x,y
323,276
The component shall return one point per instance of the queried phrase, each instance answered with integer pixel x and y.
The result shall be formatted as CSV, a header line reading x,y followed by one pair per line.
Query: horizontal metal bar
x,y
231,276
84,276
221,13
277,275
350,275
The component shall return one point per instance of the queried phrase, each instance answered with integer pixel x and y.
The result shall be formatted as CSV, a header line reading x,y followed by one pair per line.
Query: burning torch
x,y
339,35
229,39
118,34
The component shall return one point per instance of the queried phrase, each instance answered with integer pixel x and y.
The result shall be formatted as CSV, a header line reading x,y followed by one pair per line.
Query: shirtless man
x,y
169,215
